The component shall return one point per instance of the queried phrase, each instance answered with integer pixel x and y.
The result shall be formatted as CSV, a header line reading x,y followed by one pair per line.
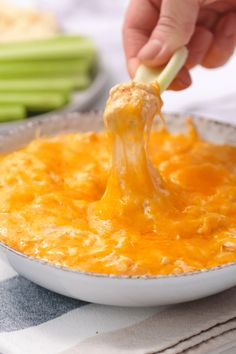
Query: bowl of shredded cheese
x,y
23,23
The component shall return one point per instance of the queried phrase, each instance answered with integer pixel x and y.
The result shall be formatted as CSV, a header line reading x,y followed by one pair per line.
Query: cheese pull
x,y
134,187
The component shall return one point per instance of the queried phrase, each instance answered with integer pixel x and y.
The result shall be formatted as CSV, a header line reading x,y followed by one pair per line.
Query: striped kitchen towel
x,y
34,320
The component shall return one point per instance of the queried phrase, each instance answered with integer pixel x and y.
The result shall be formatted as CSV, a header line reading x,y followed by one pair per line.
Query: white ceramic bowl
x,y
117,290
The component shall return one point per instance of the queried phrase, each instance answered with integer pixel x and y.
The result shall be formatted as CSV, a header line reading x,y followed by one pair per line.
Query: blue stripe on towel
x,y
24,304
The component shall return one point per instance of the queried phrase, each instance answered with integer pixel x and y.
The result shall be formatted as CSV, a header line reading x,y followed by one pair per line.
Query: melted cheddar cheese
x,y
127,201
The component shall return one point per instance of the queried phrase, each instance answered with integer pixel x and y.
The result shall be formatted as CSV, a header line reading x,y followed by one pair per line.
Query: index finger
x,y
140,20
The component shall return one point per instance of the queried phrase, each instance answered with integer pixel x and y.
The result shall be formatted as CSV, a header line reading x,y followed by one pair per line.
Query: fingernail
x,y
150,50
179,84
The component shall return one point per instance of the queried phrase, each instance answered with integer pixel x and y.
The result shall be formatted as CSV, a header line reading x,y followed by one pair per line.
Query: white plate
x,y
117,290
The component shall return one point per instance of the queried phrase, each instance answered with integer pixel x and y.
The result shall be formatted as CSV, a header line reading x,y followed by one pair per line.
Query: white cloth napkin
x,y
34,320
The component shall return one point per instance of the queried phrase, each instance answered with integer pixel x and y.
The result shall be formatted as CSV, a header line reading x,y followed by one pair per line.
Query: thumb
x,y
174,29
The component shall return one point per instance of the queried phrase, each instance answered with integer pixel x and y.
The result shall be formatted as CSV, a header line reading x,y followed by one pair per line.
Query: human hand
x,y
155,29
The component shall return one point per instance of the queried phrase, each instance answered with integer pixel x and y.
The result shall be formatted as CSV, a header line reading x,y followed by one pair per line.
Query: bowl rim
x,y
114,276
41,121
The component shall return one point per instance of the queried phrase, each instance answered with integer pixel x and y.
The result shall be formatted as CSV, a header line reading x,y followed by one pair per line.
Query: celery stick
x,y
34,69
163,75
63,48
35,101
12,112
61,38
57,84
38,85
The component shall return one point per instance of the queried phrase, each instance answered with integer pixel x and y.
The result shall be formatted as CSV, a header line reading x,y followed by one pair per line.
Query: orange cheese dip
x,y
125,201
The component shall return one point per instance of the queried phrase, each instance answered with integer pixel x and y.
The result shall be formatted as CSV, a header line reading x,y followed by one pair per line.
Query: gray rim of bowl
x,y
58,117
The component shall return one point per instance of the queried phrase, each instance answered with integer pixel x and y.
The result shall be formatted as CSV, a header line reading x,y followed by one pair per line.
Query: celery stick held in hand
x,y
155,29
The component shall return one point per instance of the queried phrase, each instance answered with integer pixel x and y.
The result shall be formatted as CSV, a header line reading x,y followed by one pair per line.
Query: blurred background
x,y
212,94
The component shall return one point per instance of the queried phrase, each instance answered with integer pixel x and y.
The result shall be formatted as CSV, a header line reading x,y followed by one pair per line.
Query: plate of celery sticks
x,y
39,77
